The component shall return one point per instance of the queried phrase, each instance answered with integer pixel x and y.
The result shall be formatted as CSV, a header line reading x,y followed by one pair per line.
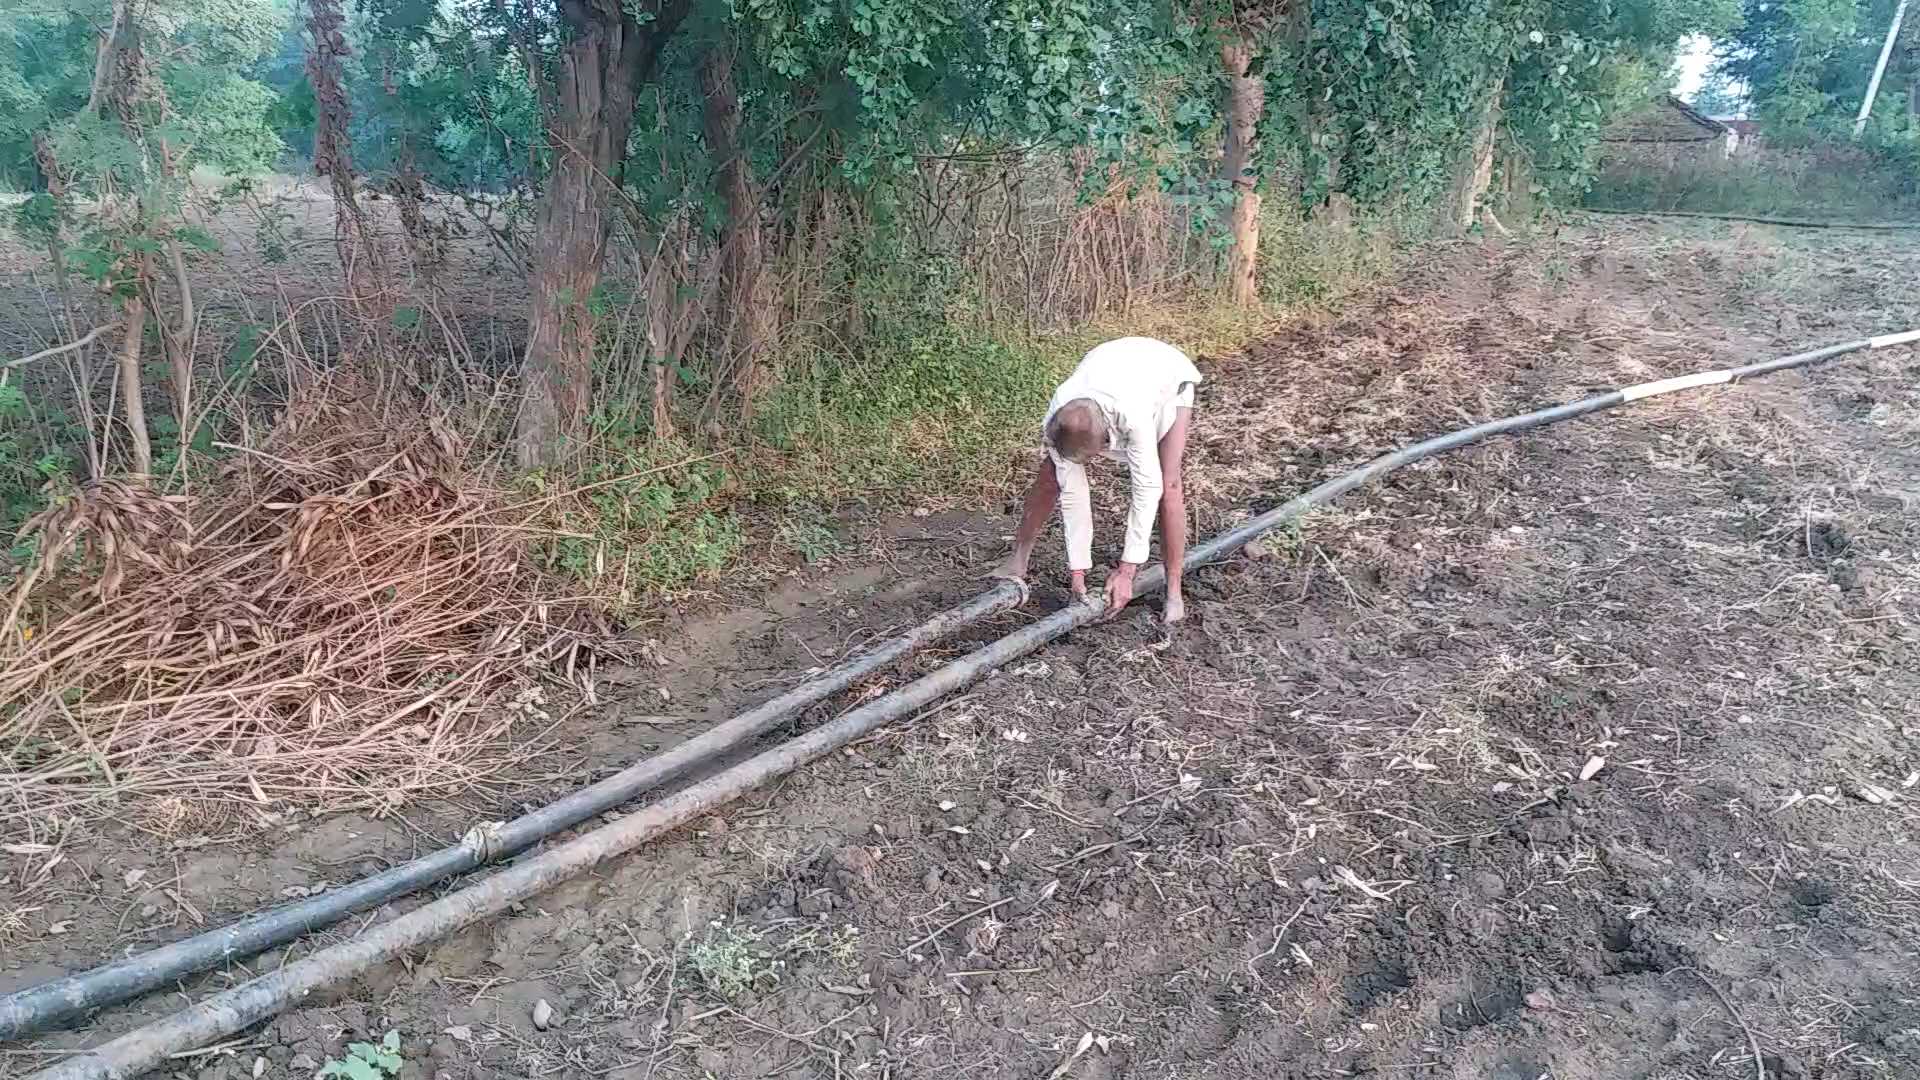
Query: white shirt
x,y
1138,384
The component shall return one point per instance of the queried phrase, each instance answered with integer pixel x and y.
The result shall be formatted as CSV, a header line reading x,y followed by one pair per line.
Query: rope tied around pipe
x,y
484,841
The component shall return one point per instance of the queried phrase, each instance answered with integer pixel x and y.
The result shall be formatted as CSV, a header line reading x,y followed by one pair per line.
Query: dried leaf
x,y
1353,881
1086,1041
1875,794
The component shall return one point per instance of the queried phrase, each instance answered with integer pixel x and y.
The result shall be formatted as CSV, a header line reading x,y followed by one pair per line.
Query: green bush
x,y
635,520
1796,173
939,412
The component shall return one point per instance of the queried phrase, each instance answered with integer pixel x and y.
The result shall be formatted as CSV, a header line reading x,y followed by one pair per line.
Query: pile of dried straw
x,y
346,616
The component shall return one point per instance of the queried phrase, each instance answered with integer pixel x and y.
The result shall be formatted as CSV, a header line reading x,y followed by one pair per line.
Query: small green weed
x,y
731,959
840,948
1557,271
810,538
367,1061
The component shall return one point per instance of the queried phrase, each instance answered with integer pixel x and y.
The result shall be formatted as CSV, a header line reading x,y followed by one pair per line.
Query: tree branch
x,y
43,354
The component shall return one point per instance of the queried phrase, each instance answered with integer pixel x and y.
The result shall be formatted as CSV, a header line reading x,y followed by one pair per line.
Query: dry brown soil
x,y
1336,825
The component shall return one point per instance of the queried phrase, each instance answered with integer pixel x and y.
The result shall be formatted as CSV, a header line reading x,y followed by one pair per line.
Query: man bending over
x,y
1128,401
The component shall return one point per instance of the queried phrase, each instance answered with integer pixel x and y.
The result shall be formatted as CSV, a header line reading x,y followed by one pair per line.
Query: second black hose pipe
x,y
234,1010
37,1008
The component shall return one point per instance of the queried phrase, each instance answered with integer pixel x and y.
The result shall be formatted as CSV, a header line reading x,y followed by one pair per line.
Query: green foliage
x,y
731,960
809,537
642,520
438,89
228,121
894,79
1391,93
37,219
367,1061
202,49
1806,64
1816,179
935,411
46,69
1720,95
1403,86
32,474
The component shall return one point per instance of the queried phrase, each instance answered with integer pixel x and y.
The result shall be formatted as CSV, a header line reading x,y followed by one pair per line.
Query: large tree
x,y
603,51
1807,62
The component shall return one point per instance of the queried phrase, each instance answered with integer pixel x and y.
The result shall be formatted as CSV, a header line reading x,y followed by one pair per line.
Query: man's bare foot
x,y
1174,610
1014,569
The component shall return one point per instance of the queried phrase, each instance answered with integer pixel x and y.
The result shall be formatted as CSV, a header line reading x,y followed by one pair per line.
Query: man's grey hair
x,y
1077,430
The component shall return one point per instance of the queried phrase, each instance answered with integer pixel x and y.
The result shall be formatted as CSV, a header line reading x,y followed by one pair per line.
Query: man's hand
x,y
1078,583
1120,587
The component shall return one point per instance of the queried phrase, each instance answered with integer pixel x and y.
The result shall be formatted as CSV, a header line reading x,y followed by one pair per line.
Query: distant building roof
x,y
1666,119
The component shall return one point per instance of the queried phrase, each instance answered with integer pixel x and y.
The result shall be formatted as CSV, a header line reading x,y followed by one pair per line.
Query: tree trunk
x,y
1516,199
1913,85
665,367
410,199
119,72
135,405
56,180
667,320
1474,176
361,260
1246,99
106,61
605,56
746,314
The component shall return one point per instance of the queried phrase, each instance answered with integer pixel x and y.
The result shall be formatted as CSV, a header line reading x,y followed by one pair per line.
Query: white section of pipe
x,y
1682,382
1727,375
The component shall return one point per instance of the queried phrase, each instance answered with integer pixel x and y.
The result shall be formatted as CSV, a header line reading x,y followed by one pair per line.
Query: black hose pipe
x,y
234,1010
39,1007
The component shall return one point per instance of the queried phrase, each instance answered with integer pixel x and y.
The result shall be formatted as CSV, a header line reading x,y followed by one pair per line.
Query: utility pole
x,y
1879,69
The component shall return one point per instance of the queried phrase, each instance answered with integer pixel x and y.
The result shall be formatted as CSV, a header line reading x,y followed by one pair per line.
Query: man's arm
x,y
1041,496
1076,513
1143,463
